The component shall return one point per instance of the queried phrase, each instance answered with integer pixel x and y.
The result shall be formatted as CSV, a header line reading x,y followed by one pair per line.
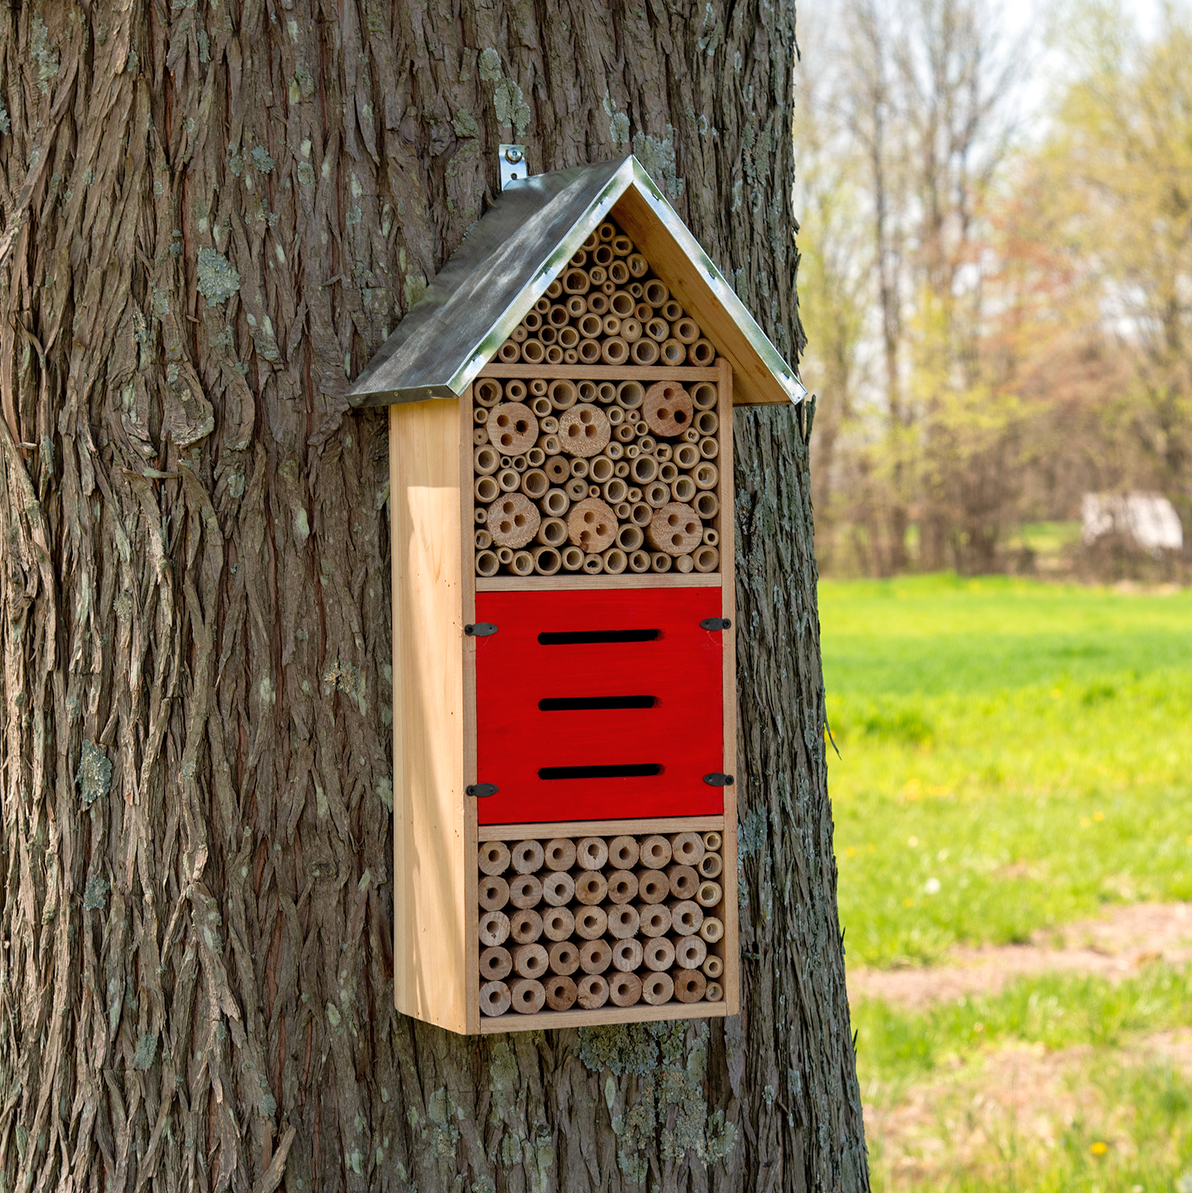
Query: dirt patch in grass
x,y
1113,946
995,1113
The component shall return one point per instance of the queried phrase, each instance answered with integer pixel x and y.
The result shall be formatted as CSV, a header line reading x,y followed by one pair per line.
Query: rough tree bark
x,y
214,211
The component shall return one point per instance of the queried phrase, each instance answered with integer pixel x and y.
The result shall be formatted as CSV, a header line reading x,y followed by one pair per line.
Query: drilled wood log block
x,y
627,955
595,956
512,427
558,889
563,957
525,891
495,964
690,985
668,407
687,848
624,989
623,922
494,928
584,430
591,922
492,892
591,853
658,988
658,953
655,853
690,952
525,926
495,998
674,530
527,857
531,960
528,996
559,853
513,519
494,857
652,886
593,992
684,882
591,887
558,923
561,993
655,918
591,525
622,886
686,916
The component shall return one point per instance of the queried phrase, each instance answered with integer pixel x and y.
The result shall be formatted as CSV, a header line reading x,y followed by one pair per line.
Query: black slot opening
x,y
585,637
582,703
631,771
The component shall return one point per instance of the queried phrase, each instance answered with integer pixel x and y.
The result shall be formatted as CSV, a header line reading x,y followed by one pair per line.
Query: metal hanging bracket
x,y
480,629
716,623
481,790
512,160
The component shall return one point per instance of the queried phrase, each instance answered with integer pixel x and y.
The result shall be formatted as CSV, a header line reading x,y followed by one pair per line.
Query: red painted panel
x,y
682,733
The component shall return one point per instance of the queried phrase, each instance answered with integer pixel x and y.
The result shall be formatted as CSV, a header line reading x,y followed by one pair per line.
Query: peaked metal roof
x,y
520,246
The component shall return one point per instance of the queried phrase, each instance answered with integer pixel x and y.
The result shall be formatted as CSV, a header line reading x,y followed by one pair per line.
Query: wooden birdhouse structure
x,y
560,434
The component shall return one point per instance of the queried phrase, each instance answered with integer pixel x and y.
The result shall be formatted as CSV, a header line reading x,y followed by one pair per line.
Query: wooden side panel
x,y
431,928
754,382
732,951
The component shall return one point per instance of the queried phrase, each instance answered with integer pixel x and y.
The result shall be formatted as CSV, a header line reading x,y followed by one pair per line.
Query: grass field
x,y
1014,757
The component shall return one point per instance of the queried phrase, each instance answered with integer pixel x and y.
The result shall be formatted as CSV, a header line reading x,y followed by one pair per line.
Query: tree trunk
x,y
215,212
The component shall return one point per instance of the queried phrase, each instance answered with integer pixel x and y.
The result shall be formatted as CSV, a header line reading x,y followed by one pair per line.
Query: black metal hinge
x,y
715,623
482,790
480,629
718,780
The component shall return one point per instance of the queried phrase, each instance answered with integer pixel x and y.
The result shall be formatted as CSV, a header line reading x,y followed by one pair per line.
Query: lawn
x,y
1015,756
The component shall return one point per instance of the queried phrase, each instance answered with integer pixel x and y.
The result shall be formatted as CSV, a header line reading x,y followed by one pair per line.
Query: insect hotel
x,y
560,429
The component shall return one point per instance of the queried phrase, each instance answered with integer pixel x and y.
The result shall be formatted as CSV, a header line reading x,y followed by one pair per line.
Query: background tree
x,y
213,214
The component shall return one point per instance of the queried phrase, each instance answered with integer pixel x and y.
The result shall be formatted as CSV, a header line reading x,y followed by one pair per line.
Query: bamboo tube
x,y
558,854
541,408
591,922
629,537
575,281
563,395
614,350
561,993
486,459
590,326
542,305
714,992
618,273
683,328
684,881
508,479
713,966
637,264
690,952
631,331
494,928
658,953
624,433
641,513
579,260
584,430
707,505
687,455
552,532
686,916
568,336
547,561
656,495
534,483
493,857
655,853
691,435
616,416
558,889
495,963
655,292
592,992
673,353
525,890
480,514
657,330
589,352
655,918
600,469
660,562
549,443
670,310
615,490
690,985
504,554
558,316
675,529
573,559
712,929
644,469
704,395
710,864
658,989
644,351
487,564
667,471
527,857
557,469
595,955
492,892
683,564
554,290
622,245
479,436
564,957
576,488
510,351
487,391
639,561
623,922
513,520
527,996
683,489
624,989
705,474
480,414
533,351
707,559
598,303
484,540
706,422
536,457
614,561
533,320
621,304
713,841
711,537
591,525
709,894
622,886
558,924
627,955
701,353
591,887
530,960
495,999
611,325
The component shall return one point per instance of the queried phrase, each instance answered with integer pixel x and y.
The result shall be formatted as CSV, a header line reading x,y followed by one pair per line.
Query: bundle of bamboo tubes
x,y
581,923
598,476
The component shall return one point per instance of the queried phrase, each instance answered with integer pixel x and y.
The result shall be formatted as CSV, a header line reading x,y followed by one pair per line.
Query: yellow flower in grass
x,y
1099,1147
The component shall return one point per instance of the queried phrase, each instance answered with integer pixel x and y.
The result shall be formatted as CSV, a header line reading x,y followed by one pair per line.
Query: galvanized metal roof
x,y
514,253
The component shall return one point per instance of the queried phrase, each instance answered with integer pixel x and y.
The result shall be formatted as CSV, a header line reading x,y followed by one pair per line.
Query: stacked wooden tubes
x,y
568,924
598,476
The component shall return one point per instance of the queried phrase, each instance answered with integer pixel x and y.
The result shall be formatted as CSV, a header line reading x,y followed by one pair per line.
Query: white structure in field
x,y
1148,518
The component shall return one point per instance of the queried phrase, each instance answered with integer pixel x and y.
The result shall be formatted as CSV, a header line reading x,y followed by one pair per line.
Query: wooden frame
x,y
436,835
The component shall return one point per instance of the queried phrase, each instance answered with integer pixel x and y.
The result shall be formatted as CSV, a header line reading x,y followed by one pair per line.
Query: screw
x,y
513,155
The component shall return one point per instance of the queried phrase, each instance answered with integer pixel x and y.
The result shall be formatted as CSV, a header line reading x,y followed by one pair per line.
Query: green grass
x,y
1014,756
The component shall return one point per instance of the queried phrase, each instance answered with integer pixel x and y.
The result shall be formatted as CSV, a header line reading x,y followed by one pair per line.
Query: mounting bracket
x,y
512,160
